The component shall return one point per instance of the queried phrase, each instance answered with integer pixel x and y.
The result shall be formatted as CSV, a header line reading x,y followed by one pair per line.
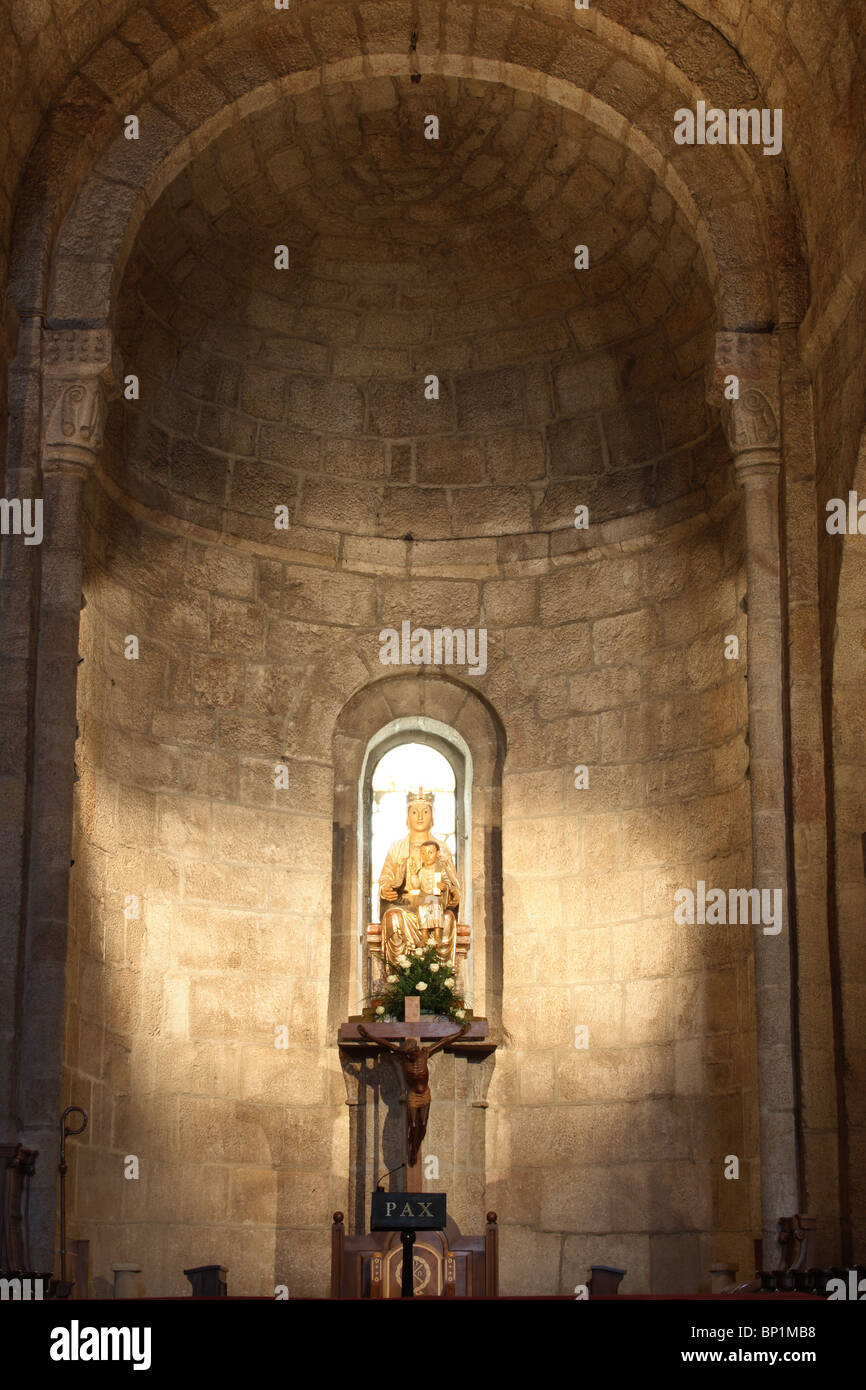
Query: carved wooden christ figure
x,y
419,917
414,1058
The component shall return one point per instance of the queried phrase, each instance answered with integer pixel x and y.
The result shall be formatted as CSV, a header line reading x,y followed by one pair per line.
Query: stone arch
x,y
744,294
703,40
627,84
456,705
453,748
734,238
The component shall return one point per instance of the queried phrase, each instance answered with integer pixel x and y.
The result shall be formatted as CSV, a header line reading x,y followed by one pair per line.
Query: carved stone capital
x,y
751,464
80,374
749,405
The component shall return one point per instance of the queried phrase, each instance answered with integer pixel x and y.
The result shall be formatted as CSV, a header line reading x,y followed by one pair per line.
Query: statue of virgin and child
x,y
419,888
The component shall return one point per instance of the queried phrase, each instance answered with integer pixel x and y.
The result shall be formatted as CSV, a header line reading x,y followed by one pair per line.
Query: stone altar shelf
x,y
374,941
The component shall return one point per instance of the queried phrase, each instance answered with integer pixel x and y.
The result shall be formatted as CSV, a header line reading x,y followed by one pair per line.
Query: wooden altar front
x,y
447,1264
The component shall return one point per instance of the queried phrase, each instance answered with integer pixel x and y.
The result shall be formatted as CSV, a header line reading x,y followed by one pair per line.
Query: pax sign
x,y
408,1211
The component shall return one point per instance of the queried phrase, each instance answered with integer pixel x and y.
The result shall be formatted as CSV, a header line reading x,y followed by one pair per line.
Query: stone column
x,y
751,424
77,380
14,560
8,347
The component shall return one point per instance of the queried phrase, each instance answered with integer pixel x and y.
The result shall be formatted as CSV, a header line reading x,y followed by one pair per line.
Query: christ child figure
x,y
430,878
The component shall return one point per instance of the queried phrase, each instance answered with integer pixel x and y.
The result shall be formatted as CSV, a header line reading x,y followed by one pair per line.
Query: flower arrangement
x,y
420,972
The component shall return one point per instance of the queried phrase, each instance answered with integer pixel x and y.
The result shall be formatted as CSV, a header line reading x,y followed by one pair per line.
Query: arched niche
x,y
447,712
455,752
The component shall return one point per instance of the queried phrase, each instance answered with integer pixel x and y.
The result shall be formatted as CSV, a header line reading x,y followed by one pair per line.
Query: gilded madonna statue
x,y
420,884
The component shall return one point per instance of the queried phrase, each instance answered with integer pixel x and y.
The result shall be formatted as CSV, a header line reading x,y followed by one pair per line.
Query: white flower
x,y
419,950
380,1009
459,1013
450,982
392,979
403,960
433,969
420,985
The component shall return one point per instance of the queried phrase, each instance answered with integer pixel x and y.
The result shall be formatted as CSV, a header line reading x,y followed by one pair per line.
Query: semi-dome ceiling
x,y
409,257
349,182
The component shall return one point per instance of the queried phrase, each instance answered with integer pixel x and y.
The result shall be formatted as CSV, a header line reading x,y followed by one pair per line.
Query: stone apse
x,y
171,384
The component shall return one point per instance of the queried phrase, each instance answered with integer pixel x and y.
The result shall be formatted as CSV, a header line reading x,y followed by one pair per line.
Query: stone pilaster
x,y
752,425
15,563
77,380
8,332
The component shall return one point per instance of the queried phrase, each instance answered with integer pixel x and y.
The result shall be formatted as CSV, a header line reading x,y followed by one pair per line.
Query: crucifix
x,y
413,1059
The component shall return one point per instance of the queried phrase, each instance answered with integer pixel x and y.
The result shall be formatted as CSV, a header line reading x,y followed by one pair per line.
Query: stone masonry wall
x,y
252,638
609,657
172,1014
614,1154
605,648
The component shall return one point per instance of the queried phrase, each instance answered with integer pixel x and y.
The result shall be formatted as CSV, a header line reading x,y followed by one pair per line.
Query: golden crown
x,y
419,795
